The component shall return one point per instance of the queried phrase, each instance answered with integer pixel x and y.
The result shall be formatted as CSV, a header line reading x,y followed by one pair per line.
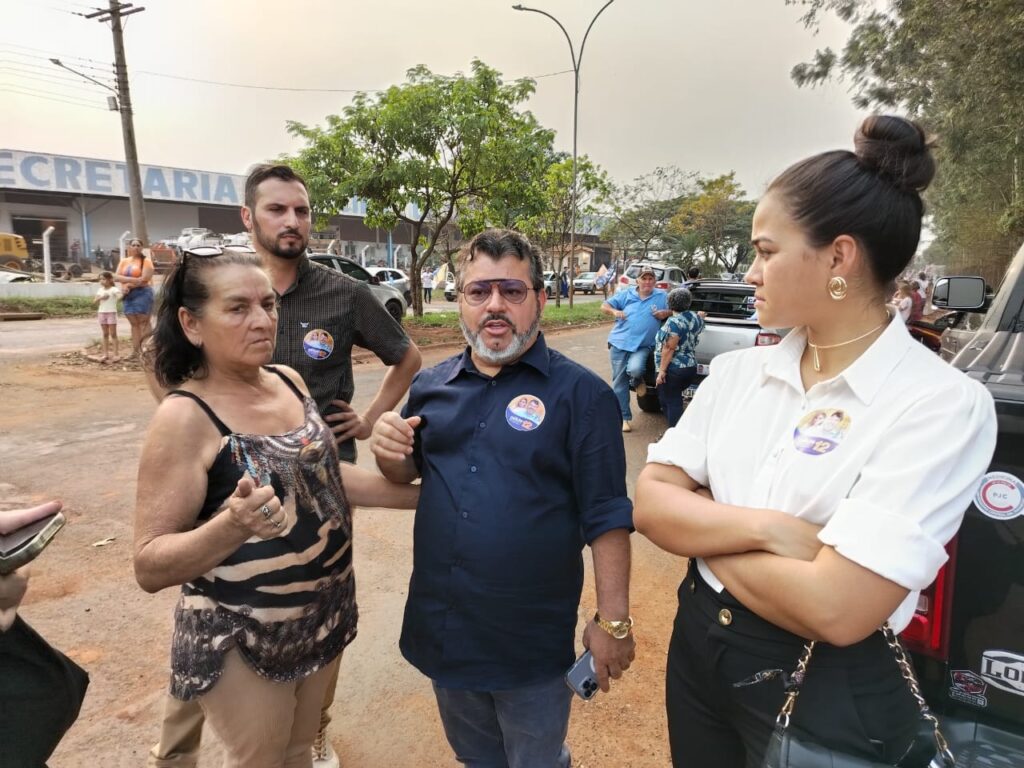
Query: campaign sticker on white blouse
x,y
524,412
318,344
1000,496
821,431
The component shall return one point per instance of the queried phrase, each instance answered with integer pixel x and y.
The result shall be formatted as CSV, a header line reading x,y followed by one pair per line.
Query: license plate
x,y
703,370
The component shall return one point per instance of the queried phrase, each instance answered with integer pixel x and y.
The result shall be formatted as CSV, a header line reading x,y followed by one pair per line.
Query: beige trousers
x,y
182,727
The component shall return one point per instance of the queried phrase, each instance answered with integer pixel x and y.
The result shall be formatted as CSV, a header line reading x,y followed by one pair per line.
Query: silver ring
x,y
266,512
277,523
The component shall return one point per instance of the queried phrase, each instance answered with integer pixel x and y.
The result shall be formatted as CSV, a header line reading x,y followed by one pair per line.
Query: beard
x,y
273,244
515,349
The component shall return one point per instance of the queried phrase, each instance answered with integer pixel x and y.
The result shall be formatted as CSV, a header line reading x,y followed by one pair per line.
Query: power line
x,y
248,86
41,95
35,69
66,96
47,53
53,82
222,83
290,89
49,59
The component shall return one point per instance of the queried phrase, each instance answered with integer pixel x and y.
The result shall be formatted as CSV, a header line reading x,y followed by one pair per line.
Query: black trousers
x,y
853,699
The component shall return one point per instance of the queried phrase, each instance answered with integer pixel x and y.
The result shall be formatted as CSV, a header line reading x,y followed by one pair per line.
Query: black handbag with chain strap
x,y
787,750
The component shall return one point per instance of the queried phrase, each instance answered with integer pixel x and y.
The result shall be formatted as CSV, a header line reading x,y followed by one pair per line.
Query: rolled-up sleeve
x,y
618,300
686,444
911,495
599,469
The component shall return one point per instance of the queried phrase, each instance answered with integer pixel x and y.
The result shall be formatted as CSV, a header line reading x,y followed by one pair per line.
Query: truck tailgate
x,y
723,335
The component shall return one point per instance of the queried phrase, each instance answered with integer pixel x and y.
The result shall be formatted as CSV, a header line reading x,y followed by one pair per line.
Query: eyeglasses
x,y
479,291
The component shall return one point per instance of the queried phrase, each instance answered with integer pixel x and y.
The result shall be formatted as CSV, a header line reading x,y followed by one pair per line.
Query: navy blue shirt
x,y
518,472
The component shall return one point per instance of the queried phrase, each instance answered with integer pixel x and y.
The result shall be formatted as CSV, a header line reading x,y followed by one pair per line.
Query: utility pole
x,y
117,11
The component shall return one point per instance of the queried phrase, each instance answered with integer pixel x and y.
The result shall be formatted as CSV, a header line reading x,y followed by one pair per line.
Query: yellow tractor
x,y
13,251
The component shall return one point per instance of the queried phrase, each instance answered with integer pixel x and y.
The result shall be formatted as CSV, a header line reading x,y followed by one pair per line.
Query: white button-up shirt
x,y
886,456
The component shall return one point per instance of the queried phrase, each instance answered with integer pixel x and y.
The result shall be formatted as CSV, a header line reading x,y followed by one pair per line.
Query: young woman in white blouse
x,y
815,484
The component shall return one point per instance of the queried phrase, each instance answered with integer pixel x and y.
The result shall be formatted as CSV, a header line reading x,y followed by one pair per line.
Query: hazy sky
x,y
703,84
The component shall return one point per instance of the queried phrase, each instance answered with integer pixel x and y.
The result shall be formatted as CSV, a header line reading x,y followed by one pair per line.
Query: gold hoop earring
x,y
837,288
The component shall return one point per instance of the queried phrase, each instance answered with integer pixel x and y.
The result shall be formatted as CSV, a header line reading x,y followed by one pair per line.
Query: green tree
x,y
958,67
425,150
715,221
640,211
549,228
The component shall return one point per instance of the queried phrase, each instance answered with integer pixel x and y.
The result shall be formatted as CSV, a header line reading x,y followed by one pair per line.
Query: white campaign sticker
x,y
1000,496
1004,670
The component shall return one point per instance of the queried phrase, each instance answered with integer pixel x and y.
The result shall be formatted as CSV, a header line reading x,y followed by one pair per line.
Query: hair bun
x,y
897,150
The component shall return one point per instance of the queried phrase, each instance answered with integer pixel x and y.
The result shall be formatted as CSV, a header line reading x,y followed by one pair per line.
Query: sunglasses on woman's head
x,y
479,291
203,251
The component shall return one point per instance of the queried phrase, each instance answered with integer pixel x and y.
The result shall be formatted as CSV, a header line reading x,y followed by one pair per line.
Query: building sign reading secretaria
x,y
80,175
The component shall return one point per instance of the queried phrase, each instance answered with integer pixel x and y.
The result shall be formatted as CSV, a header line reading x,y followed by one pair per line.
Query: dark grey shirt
x,y
322,315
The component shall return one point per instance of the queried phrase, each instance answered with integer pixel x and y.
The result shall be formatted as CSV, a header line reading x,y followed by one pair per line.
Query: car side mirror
x,y
966,293
374,280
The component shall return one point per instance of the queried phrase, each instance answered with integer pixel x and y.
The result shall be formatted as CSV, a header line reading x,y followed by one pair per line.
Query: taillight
x,y
767,339
663,285
928,631
624,280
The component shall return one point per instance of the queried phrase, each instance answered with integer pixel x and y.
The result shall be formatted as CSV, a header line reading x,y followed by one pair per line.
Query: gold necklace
x,y
816,347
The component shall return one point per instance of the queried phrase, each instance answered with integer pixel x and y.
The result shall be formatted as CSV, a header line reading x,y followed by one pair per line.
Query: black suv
x,y
967,637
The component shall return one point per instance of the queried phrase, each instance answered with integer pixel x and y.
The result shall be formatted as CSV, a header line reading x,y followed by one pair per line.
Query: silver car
x,y
550,284
666,276
390,297
393,277
585,283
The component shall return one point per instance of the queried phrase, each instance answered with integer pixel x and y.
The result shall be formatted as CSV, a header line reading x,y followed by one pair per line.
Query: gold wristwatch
x,y
618,629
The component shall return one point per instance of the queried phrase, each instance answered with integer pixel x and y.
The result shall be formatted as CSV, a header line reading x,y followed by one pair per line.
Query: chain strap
x,y
797,680
793,685
915,689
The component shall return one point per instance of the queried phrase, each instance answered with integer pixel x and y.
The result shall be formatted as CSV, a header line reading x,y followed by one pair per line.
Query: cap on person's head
x,y
647,271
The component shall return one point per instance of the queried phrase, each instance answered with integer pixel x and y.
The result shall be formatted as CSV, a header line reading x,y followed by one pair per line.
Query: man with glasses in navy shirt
x,y
522,463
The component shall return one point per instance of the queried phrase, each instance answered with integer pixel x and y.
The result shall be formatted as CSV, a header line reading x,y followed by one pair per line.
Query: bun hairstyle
x,y
872,194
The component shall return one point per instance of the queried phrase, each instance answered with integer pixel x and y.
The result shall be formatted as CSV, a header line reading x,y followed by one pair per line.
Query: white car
x,y
549,284
395,278
390,298
666,276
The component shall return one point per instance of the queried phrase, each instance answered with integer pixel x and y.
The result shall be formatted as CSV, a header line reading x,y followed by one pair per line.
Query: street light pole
x,y
576,63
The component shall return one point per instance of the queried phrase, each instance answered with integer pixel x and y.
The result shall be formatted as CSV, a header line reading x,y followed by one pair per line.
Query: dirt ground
x,y
72,430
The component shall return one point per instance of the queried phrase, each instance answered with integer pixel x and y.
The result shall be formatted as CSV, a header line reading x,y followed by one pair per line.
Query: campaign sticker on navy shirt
x,y
1000,496
821,431
524,412
318,344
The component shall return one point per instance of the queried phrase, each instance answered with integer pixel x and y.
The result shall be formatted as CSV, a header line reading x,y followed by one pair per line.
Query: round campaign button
x,y
1000,496
525,413
318,344
821,431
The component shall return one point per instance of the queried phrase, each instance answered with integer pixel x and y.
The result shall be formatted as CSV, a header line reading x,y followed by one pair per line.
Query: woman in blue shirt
x,y
674,353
